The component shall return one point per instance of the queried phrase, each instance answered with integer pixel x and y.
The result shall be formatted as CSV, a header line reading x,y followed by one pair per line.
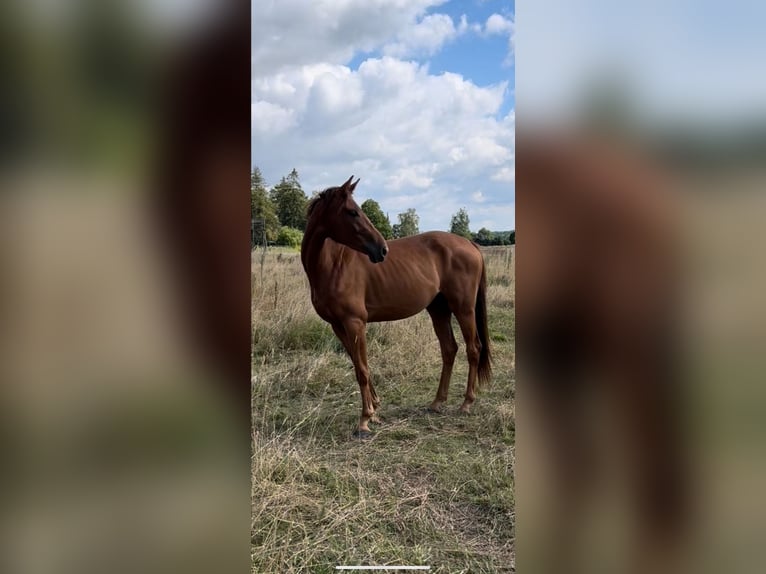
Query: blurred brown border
x,y
203,204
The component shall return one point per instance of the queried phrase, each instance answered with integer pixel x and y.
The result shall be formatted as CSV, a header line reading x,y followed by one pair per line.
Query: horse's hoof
x,y
362,434
434,410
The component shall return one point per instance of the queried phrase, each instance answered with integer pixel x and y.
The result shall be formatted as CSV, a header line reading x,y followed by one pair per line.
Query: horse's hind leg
x,y
441,316
467,319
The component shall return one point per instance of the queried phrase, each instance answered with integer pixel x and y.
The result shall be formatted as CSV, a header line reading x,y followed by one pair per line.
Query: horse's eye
x,y
353,212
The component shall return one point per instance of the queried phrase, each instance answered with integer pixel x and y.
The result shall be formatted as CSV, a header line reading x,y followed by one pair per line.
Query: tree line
x,y
461,225
280,216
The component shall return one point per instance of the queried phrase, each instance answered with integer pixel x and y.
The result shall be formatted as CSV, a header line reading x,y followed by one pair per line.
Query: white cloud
x,y
405,132
425,37
505,174
332,94
497,24
418,176
414,138
289,33
463,25
270,119
500,25
487,150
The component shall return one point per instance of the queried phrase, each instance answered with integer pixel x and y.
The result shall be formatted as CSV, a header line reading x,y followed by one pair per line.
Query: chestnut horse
x,y
357,278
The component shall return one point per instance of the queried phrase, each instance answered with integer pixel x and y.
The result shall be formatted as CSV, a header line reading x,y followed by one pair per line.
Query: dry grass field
x,y
427,489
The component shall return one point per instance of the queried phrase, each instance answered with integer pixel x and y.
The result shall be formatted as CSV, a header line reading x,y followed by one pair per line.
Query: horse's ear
x,y
347,183
346,188
353,185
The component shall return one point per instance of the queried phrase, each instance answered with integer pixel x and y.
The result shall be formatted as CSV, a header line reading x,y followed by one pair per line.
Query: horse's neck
x,y
317,256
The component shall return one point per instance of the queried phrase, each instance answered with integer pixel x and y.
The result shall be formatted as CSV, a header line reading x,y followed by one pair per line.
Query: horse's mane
x,y
317,198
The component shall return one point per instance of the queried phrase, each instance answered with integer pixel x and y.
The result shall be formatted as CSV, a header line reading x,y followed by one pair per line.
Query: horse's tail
x,y
485,357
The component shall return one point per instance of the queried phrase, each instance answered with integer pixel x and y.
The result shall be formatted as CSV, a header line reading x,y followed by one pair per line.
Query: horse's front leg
x,y
356,340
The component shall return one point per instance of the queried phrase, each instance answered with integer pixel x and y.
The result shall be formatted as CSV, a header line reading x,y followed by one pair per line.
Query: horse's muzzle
x,y
377,253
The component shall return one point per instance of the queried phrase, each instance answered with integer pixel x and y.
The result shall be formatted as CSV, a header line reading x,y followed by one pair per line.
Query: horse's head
x,y
346,223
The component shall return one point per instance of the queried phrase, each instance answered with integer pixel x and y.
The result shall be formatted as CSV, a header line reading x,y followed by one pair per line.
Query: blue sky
x,y
415,97
476,57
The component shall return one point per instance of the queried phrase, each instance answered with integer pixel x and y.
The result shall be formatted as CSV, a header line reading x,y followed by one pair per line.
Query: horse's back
x,y
438,244
446,252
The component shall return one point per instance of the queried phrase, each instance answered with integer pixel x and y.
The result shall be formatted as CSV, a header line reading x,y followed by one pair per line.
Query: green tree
x,y
408,224
372,210
290,201
261,206
484,236
512,237
460,224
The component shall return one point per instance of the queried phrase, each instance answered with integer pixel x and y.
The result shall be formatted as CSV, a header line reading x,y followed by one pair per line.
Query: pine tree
x,y
261,207
290,201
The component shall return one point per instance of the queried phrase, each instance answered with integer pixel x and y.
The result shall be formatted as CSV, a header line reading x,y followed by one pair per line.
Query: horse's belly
x,y
393,308
403,285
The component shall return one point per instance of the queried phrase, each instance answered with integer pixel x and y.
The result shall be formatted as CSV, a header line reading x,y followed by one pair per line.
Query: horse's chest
x,y
333,306
322,306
